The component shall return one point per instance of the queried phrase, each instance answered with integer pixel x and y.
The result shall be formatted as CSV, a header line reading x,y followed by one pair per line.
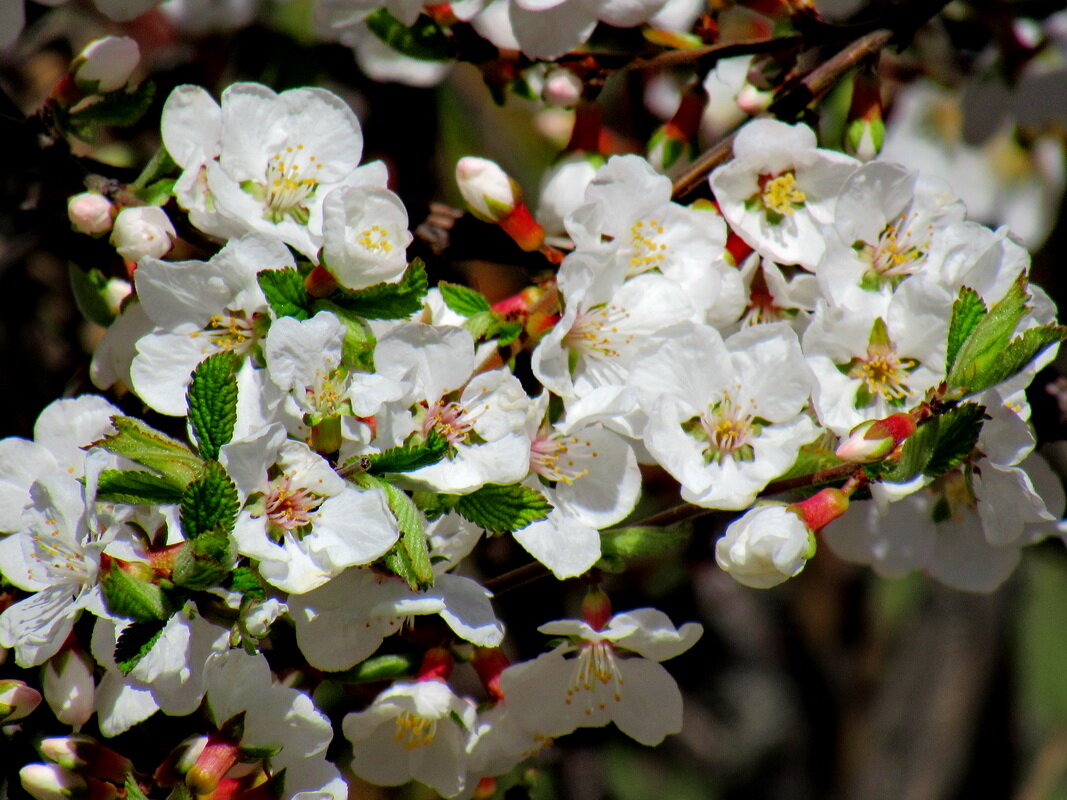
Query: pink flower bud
x,y
822,508
490,194
69,687
489,662
437,664
562,88
213,762
105,65
87,756
17,700
143,231
875,439
596,609
52,782
90,213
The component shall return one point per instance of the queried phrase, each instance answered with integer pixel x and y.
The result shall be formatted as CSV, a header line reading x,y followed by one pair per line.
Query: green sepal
x,y
487,325
357,349
982,348
380,668
405,458
387,300
285,292
252,755
88,288
204,562
811,458
503,508
132,597
134,643
157,169
150,448
209,503
247,582
212,400
133,790
967,311
136,488
620,545
939,444
409,558
424,41
158,193
463,300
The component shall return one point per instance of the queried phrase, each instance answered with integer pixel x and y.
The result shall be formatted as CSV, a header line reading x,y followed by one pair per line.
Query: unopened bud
x,y
490,194
69,687
596,609
106,65
17,700
90,213
143,231
875,439
822,508
213,762
52,782
489,662
437,664
768,545
562,88
673,138
87,756
865,131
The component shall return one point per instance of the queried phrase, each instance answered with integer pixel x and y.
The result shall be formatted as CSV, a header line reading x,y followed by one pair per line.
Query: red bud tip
x,y
821,509
596,609
520,225
489,662
320,283
214,761
436,665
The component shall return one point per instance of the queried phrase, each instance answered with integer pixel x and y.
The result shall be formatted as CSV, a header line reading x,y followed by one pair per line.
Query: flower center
x,y
413,731
230,330
899,249
553,457
60,558
451,420
647,252
781,195
291,179
290,507
596,333
375,240
728,430
596,677
883,373
328,396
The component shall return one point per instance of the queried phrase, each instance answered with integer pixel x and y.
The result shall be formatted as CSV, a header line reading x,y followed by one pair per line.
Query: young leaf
x,y
380,668
212,400
245,581
938,445
503,508
133,597
405,458
413,549
387,300
1020,351
204,562
285,291
209,503
424,41
133,644
982,348
463,300
136,488
150,448
115,108
88,288
967,312
133,791
620,545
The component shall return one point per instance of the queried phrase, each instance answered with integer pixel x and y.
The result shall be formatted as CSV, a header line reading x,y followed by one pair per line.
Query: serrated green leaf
x,y
119,108
357,349
245,581
134,643
136,488
380,668
285,292
503,508
967,312
204,562
212,400
387,300
1017,355
135,598
433,505
405,458
209,503
462,299
148,447
508,332
133,790
981,349
620,545
88,289
424,40
413,545
938,445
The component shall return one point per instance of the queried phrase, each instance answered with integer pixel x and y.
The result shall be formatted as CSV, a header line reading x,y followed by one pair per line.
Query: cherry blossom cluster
x,y
345,437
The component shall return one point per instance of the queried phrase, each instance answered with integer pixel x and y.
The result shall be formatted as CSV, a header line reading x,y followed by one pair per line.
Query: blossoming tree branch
x,y
270,519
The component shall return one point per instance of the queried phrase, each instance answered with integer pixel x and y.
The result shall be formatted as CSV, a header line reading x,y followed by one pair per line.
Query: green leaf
x,y
150,448
410,556
939,444
357,349
1017,355
387,300
380,668
984,346
88,288
405,458
212,399
619,545
209,503
285,292
247,582
463,300
136,488
133,791
135,598
811,458
134,643
503,508
487,325
158,167
967,312
424,40
204,562
120,108
158,193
